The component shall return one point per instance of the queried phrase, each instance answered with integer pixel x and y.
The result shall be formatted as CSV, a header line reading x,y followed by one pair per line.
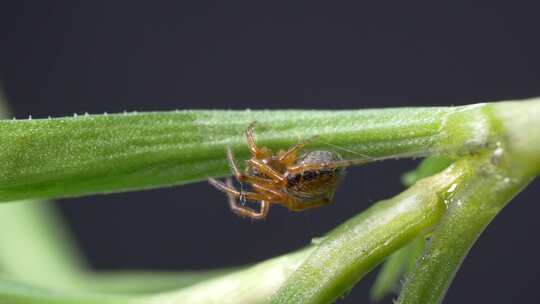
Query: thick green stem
x,y
499,174
519,127
46,158
35,243
497,147
476,202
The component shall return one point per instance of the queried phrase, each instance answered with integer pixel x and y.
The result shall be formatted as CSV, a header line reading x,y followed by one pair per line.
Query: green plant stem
x,y
395,267
253,285
399,263
429,166
35,244
496,148
470,210
47,158
519,129
499,175
18,293
354,248
146,282
115,282
35,247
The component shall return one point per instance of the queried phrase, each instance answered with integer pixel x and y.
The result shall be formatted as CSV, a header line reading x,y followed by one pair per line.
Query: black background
x,y
63,57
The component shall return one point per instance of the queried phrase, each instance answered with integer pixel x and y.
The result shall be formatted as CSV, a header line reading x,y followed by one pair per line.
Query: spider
x,y
293,179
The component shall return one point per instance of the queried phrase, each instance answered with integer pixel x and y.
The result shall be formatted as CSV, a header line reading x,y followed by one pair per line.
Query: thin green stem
x,y
395,267
35,247
429,166
18,293
253,285
147,282
399,263
355,247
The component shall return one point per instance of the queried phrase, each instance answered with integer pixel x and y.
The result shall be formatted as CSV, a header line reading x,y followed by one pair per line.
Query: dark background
x,y
63,57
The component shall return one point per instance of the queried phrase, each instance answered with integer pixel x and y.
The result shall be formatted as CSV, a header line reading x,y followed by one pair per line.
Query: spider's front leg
x,y
263,168
257,152
242,177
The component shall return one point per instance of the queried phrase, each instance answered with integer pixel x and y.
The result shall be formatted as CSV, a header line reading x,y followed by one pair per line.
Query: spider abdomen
x,y
312,188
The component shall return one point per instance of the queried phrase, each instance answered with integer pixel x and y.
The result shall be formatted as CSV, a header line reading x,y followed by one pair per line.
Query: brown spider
x,y
295,181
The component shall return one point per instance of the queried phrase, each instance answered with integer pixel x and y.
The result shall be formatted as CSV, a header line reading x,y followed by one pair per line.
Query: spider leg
x,y
255,151
330,165
290,155
241,177
273,195
267,170
232,163
229,189
250,141
244,210
248,212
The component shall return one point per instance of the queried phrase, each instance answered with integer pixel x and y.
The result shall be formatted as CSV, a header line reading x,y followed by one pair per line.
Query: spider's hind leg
x,y
248,212
230,190
234,194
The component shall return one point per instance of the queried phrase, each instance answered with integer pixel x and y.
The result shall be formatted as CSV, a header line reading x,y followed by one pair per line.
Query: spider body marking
x,y
313,188
290,178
